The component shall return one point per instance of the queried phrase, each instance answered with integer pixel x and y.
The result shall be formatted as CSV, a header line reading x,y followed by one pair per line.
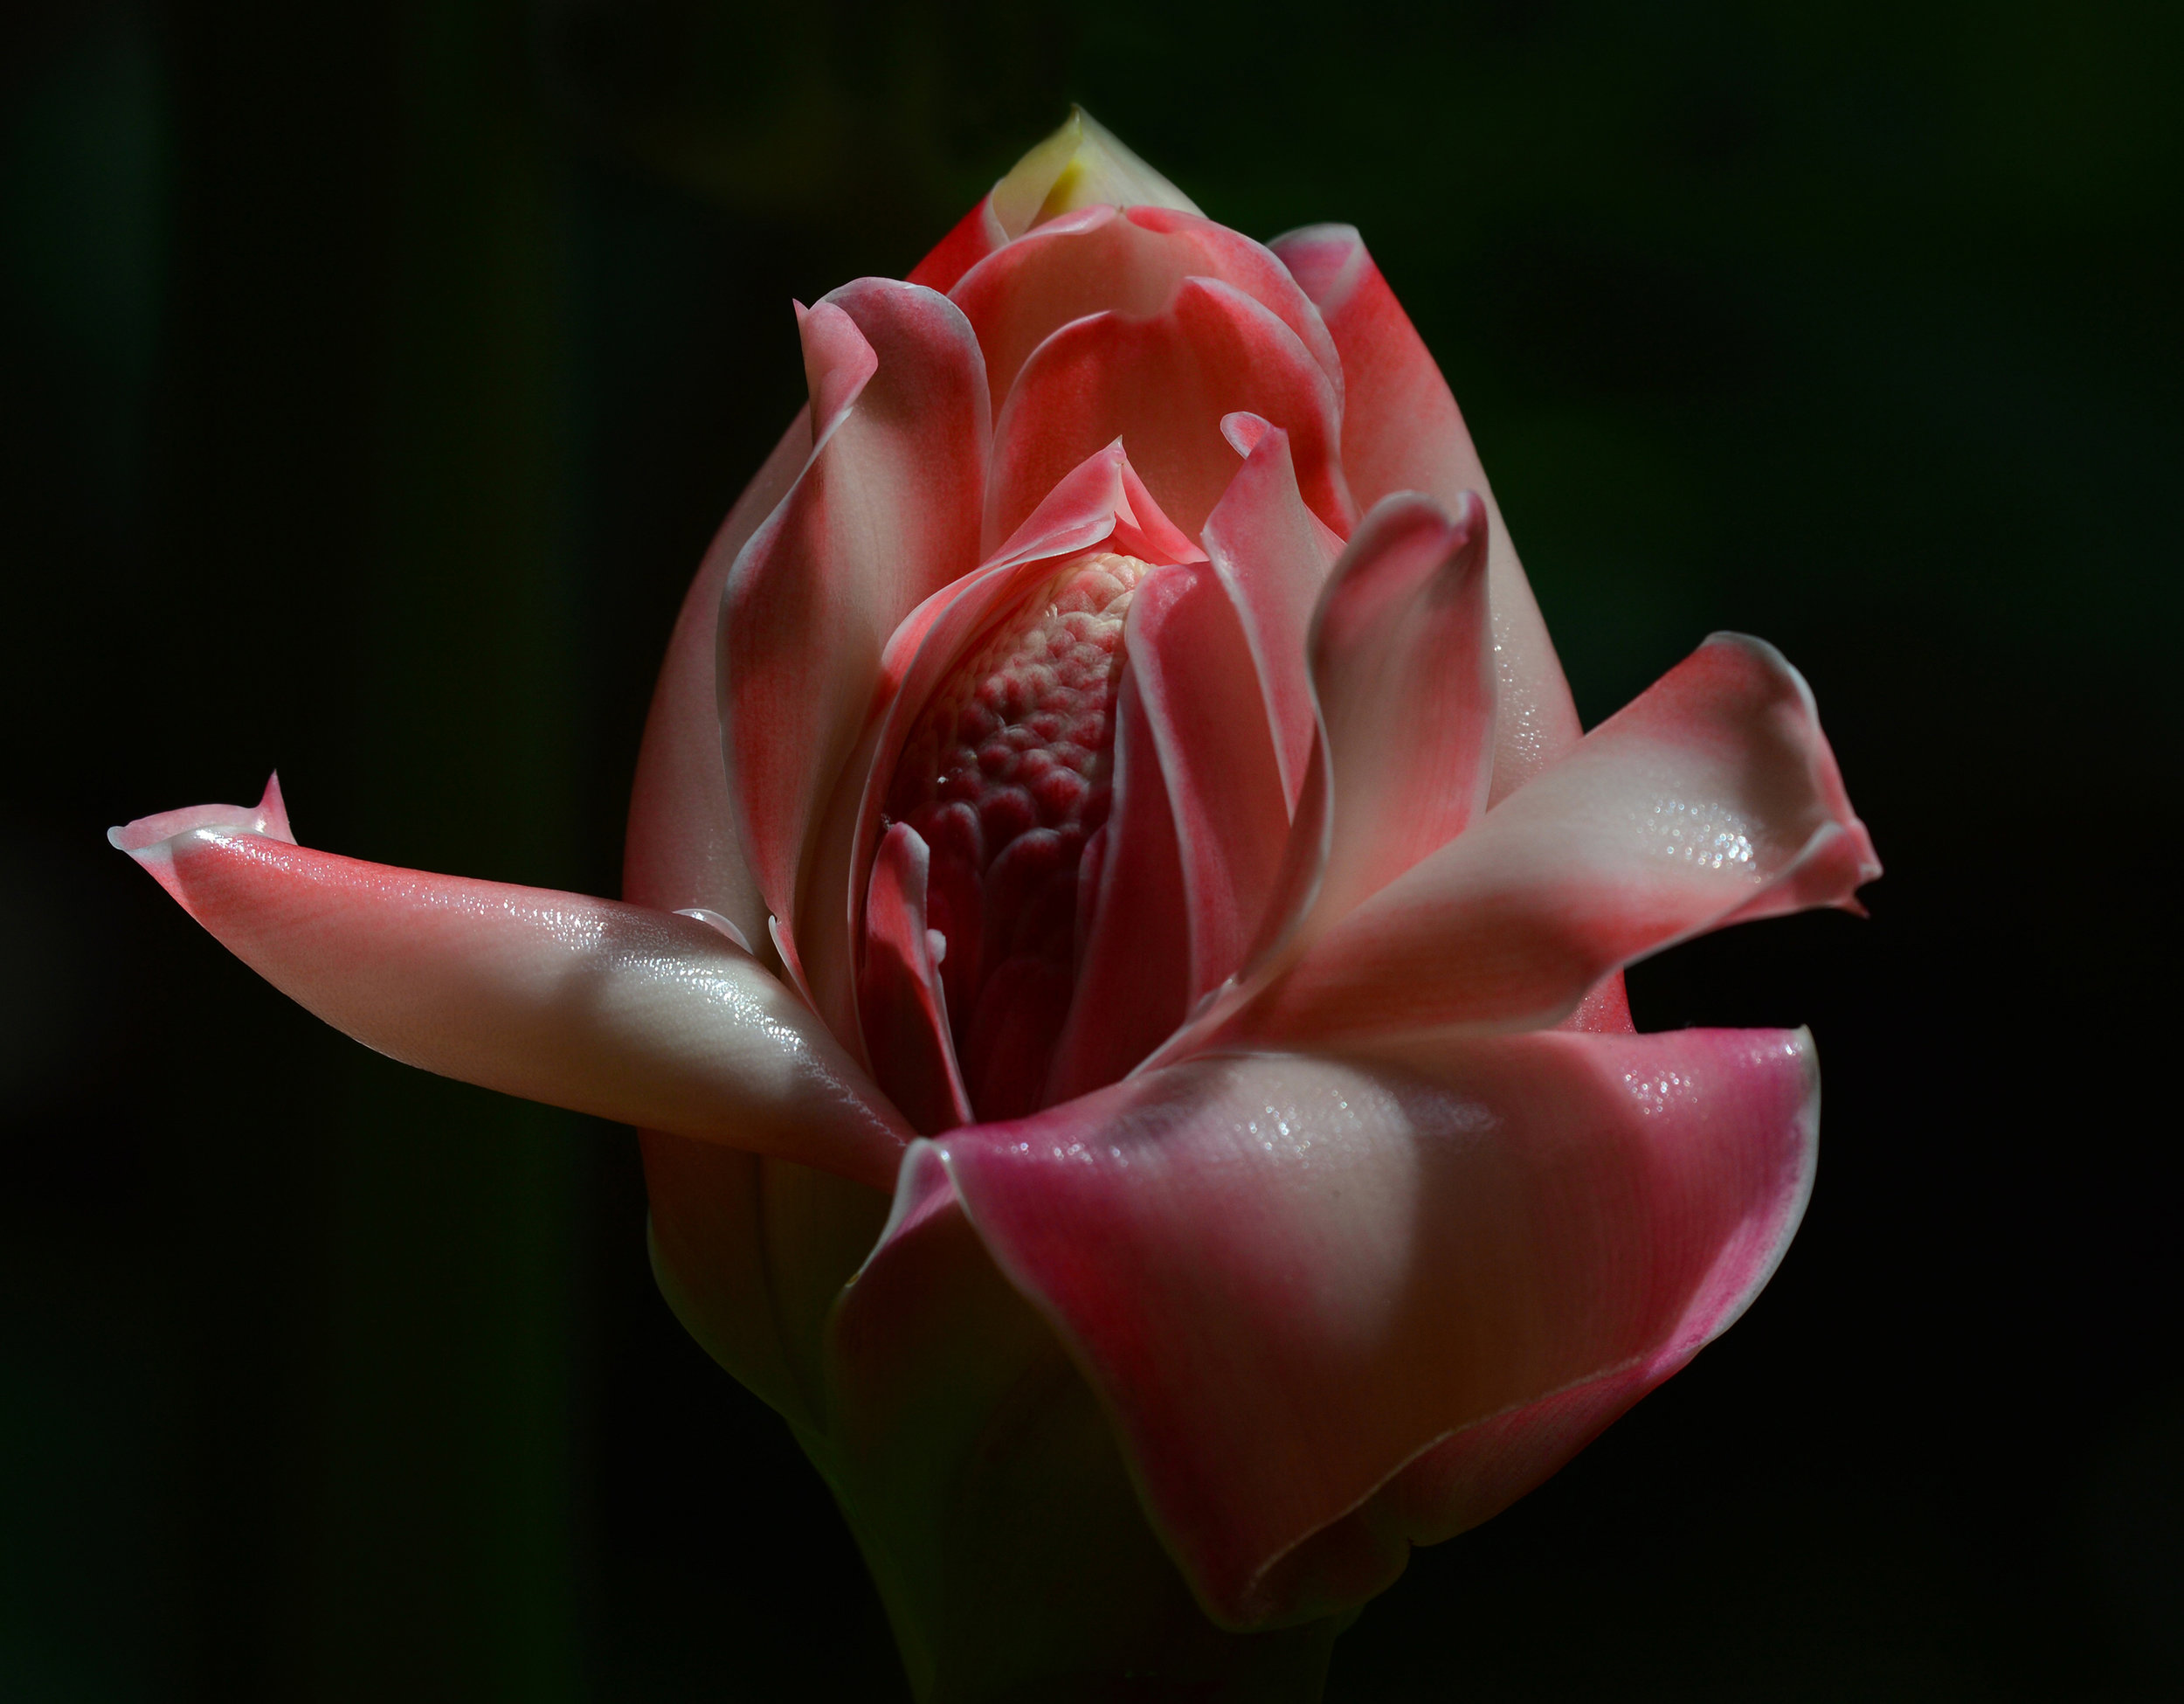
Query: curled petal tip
x,y
1243,429
616,1010
713,919
1869,860
269,818
922,1187
1767,654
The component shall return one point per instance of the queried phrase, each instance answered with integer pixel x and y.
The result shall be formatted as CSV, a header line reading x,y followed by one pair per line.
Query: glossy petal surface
x,y
1710,799
1289,1277
612,1010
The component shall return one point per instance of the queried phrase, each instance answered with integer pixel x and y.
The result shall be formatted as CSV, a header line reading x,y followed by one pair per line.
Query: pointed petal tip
x,y
1081,163
923,1186
1868,859
713,919
1864,862
147,835
784,949
272,811
1244,430
1326,260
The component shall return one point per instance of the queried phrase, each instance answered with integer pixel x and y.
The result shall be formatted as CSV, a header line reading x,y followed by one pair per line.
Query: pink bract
x,y
1156,851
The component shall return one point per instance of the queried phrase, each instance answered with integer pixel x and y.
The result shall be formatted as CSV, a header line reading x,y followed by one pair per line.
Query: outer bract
x,y
1111,796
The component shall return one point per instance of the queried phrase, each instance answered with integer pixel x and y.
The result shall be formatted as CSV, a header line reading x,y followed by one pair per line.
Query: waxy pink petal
x,y
905,1012
1403,432
709,1250
1124,260
973,237
1289,1277
1101,503
1192,664
883,515
1710,799
957,1416
926,1344
1273,555
268,817
1081,164
1163,386
1134,985
628,1014
681,850
1402,659
1400,693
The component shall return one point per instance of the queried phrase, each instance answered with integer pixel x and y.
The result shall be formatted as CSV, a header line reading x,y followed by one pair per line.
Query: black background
x,y
374,376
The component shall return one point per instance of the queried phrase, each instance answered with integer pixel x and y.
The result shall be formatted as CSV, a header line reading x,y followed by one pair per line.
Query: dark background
x,y
374,376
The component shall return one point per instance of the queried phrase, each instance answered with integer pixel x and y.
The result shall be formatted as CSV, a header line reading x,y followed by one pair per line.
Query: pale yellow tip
x,y
1082,165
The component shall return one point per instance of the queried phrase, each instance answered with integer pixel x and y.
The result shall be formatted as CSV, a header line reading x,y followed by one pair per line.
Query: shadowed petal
x,y
1081,164
1290,1278
638,1015
1134,984
709,1258
992,1497
1400,691
1207,716
883,515
1102,502
1273,554
681,850
905,1012
709,1250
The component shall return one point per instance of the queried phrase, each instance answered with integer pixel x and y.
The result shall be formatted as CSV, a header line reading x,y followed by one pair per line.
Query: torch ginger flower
x,y
1155,852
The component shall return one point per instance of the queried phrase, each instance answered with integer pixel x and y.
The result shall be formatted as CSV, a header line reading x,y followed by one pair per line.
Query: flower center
x,y
1005,776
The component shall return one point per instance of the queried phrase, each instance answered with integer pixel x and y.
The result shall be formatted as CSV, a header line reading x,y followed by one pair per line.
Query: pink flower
x,y
1156,850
